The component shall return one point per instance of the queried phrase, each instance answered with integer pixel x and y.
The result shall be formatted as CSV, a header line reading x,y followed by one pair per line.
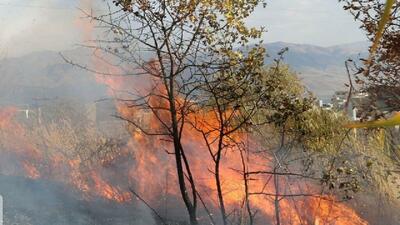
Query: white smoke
x,y
36,25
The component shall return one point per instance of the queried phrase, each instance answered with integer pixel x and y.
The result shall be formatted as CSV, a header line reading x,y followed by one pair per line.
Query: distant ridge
x,y
46,75
302,56
322,69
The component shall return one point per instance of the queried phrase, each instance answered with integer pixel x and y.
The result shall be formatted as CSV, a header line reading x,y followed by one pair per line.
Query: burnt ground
x,y
42,202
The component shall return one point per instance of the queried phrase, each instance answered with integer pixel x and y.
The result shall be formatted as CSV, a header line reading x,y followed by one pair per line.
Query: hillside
x,y
45,75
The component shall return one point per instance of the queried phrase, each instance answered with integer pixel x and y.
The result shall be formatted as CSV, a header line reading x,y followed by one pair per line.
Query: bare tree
x,y
187,42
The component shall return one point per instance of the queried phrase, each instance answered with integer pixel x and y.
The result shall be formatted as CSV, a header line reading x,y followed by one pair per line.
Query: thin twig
x,y
148,205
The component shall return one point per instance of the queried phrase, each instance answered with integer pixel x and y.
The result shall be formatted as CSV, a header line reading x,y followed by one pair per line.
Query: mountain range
x,y
321,69
45,75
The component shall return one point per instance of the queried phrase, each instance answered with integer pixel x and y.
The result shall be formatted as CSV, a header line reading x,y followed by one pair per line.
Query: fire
x,y
76,178
31,171
108,191
6,114
20,150
152,169
16,143
298,210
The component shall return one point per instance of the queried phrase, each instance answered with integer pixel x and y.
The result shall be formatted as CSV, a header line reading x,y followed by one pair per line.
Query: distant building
x,y
339,100
325,105
357,102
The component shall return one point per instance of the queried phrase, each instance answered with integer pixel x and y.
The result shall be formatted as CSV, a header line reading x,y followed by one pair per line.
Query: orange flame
x,y
27,160
109,192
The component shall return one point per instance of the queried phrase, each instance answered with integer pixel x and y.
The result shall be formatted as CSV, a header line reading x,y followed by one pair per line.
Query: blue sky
x,y
34,25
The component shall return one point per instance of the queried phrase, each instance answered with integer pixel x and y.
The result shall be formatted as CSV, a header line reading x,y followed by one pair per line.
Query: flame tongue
x,y
108,191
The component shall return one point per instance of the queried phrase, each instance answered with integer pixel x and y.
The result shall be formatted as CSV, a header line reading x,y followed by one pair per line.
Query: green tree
x,y
242,100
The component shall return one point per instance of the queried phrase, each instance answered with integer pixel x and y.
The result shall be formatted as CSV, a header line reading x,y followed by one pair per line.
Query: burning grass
x,y
95,165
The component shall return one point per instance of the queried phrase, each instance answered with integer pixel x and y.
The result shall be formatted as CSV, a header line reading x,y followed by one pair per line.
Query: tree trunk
x,y
178,158
219,190
277,208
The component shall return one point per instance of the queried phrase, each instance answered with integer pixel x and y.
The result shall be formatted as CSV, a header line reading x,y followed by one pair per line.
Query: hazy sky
x,y
34,25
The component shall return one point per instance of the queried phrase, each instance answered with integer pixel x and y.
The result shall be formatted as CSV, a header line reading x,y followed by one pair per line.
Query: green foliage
x,y
320,130
282,95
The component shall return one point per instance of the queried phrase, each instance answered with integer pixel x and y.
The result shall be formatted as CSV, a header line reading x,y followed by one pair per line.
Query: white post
x,y
1,210
354,114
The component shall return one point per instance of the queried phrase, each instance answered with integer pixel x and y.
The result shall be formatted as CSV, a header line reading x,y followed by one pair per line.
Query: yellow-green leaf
x,y
385,19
